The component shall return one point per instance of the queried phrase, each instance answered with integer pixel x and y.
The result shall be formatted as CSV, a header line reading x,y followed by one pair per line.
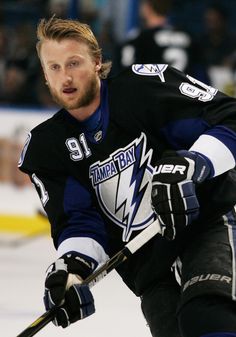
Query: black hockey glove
x,y
74,300
173,191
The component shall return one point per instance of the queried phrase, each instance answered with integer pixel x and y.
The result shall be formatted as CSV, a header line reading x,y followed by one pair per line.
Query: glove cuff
x,y
203,166
79,264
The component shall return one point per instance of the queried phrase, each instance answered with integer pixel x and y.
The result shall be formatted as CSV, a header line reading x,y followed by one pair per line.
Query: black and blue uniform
x,y
94,179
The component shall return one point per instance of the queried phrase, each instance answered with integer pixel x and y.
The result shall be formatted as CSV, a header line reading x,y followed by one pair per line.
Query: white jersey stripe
x,y
85,246
218,153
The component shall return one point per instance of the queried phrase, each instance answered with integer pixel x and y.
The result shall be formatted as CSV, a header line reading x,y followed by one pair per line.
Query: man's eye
x,y
54,67
73,64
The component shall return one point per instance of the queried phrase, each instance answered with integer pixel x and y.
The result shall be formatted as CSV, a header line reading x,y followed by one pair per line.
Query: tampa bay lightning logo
x,y
150,70
123,186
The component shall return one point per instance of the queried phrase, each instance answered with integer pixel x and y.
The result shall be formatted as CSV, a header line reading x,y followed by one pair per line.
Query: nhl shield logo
x,y
123,186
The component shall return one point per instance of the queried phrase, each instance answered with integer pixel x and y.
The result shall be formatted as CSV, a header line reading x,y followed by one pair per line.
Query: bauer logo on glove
x,y
171,169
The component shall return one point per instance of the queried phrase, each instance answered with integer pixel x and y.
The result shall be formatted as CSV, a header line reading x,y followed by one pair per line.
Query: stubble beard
x,y
84,99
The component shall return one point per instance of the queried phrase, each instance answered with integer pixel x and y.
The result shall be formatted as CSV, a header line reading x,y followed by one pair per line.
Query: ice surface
x,y
22,271
117,314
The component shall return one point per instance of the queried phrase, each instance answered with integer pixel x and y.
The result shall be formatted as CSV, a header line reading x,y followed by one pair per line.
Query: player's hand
x,y
173,191
74,300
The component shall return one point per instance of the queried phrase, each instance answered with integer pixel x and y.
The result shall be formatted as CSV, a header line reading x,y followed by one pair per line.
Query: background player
x,y
157,41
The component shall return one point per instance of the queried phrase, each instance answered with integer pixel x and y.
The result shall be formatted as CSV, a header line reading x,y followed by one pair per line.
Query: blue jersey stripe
x,y
181,134
226,136
83,219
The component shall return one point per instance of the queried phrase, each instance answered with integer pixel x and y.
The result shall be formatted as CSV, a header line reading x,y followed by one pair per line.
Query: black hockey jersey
x,y
163,43
94,177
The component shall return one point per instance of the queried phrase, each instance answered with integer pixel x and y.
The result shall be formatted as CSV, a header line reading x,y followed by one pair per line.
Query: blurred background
x,y
195,36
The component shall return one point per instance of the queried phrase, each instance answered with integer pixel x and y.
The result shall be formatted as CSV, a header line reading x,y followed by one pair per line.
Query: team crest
x,y
150,70
23,152
123,186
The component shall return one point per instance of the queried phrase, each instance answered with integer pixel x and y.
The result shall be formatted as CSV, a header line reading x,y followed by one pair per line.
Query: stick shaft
x,y
129,249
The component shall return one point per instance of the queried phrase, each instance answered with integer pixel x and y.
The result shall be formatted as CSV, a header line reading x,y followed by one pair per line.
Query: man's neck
x,y
85,112
156,20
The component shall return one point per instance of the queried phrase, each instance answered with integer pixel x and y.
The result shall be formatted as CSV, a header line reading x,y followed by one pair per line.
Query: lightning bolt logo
x,y
124,193
130,204
150,70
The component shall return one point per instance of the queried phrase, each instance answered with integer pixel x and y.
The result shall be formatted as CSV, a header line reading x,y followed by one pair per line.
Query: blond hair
x,y
59,29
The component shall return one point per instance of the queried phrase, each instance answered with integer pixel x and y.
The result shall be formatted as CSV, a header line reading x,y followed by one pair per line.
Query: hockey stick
x,y
129,249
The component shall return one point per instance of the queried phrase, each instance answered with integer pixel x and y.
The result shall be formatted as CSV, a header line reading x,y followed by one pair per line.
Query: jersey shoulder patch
x,y
150,70
23,152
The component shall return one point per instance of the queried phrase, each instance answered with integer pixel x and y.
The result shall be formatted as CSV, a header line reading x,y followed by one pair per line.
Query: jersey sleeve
x,y
76,225
196,117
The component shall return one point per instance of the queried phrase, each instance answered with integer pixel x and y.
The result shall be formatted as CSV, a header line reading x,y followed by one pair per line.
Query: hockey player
x,y
151,142
157,39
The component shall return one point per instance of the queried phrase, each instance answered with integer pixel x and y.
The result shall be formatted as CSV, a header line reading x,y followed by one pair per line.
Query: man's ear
x,y
46,79
98,65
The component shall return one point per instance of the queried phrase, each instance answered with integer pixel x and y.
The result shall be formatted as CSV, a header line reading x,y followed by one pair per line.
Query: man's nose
x,y
67,77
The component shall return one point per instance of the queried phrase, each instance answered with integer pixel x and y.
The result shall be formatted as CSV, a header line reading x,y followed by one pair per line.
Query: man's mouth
x,y
69,90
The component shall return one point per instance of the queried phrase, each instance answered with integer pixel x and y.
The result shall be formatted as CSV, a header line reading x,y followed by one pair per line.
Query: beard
x,y
86,96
